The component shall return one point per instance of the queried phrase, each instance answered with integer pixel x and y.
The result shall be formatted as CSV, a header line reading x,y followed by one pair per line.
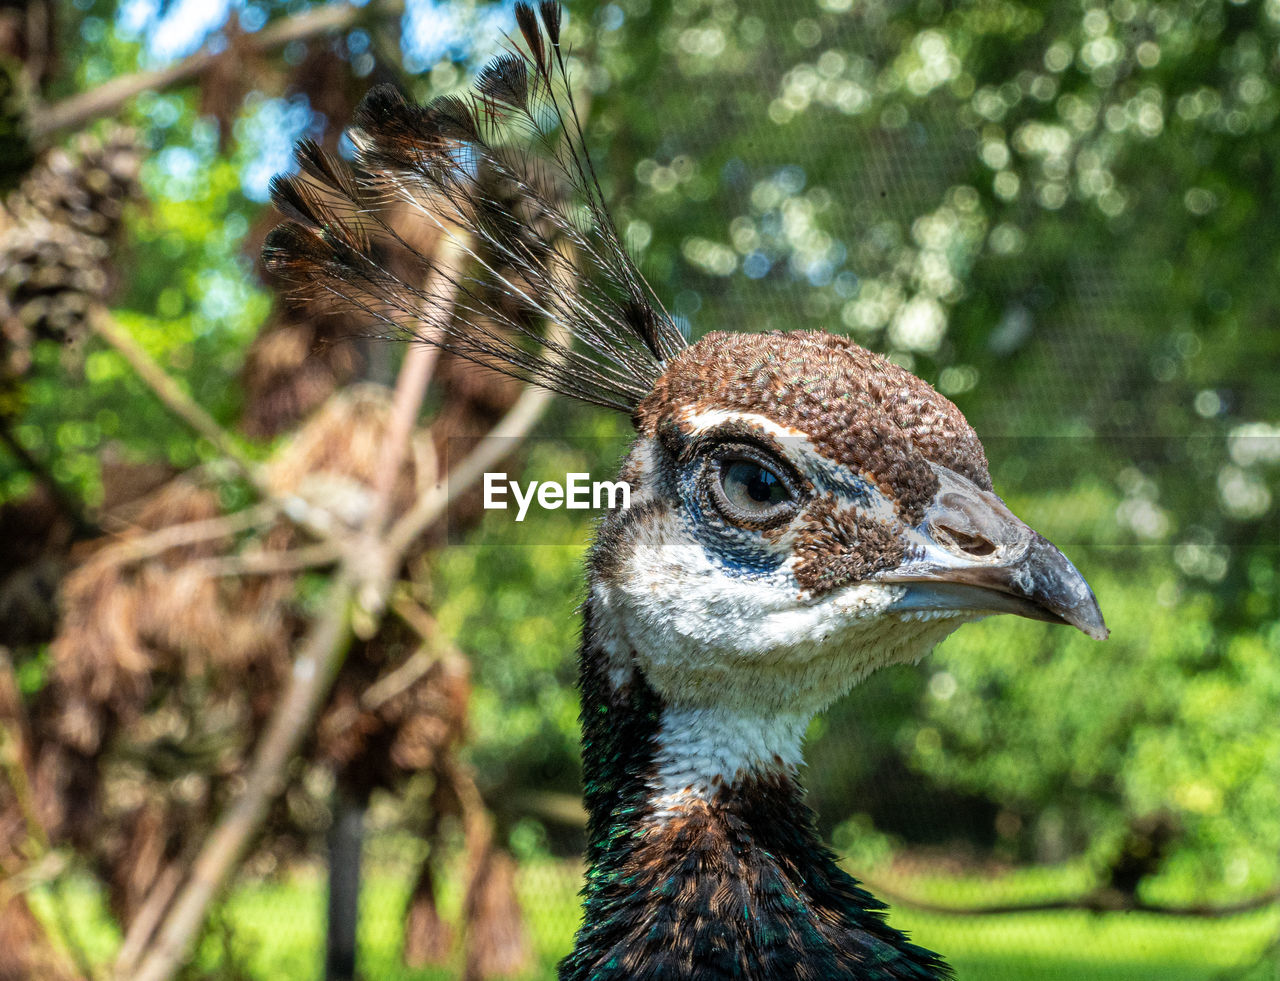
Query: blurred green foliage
x,y
1062,215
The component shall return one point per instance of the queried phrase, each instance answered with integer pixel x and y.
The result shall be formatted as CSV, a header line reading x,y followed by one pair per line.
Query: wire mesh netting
x,y
1060,215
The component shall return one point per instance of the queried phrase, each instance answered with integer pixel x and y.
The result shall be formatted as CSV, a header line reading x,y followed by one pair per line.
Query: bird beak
x,y
973,555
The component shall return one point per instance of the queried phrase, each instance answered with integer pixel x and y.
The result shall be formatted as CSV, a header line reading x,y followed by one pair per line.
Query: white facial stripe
x,y
790,439
700,422
702,749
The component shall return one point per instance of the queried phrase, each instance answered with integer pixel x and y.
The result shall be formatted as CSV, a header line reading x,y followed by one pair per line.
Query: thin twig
x,y
107,99
148,916
405,675
411,385
135,548
63,498
419,620
265,563
170,393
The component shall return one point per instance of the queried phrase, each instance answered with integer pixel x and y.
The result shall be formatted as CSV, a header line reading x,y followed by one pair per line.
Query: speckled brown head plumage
x,y
858,408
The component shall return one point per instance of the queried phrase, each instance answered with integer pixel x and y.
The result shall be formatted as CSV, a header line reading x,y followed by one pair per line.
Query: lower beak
x,y
978,557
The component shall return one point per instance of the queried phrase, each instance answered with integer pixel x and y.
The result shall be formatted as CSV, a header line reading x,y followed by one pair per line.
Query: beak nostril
x,y
960,541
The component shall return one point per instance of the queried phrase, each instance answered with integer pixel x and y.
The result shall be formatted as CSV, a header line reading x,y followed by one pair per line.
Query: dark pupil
x,y
762,485
754,482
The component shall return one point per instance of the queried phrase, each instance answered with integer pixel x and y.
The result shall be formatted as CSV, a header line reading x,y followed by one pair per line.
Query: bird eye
x,y
749,493
750,486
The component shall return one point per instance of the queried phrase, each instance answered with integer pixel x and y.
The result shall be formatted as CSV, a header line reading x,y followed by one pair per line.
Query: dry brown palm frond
x,y
292,367
102,660
28,951
333,461
98,659
497,943
428,937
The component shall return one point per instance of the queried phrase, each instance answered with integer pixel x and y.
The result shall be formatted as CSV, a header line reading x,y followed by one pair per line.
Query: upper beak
x,y
974,554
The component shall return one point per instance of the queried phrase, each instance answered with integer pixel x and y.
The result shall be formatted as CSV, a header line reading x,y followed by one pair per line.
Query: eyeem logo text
x,y
577,493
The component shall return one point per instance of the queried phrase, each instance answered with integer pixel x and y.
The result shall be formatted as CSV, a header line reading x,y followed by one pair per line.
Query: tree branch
x,y
496,444
107,99
139,547
170,392
266,563
379,560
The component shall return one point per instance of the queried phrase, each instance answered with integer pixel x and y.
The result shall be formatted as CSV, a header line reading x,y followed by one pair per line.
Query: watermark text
x,y
578,492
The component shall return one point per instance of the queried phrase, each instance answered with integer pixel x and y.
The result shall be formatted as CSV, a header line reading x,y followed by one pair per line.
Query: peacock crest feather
x,y
459,163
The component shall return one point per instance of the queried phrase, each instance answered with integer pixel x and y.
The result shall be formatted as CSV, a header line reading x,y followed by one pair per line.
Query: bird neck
x,y
703,859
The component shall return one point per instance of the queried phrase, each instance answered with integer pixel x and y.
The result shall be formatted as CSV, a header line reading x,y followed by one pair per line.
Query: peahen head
x,y
802,512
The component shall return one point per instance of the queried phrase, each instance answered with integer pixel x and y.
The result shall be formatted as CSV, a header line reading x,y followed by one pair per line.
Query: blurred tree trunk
x,y
346,840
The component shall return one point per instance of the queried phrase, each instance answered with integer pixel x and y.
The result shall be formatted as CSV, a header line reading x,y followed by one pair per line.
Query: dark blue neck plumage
x,y
739,886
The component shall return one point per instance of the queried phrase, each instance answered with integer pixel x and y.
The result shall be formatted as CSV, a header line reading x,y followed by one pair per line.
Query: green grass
x,y
1080,946
276,930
